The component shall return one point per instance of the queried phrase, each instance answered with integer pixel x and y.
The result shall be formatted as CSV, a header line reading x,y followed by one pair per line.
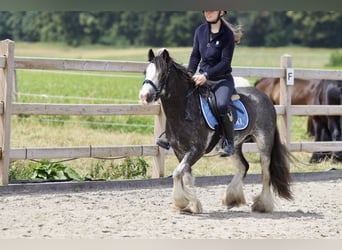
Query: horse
x,y
241,81
302,93
327,128
312,92
191,138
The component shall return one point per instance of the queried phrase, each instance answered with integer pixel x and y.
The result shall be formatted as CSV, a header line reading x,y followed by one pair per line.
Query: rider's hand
x,y
199,79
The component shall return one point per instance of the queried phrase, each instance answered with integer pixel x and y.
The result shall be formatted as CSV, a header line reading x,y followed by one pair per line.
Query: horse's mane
x,y
163,66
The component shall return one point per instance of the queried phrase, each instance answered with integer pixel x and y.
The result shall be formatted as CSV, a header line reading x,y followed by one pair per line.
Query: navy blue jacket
x,y
214,55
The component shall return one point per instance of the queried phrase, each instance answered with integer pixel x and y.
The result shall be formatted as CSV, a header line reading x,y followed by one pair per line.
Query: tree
x,y
72,29
266,28
160,28
152,28
317,29
5,29
181,28
128,26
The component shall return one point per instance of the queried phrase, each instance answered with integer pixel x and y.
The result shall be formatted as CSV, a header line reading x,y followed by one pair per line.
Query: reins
x,y
192,91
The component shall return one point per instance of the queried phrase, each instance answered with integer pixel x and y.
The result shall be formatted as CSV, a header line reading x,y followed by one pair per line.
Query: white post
x,y
159,160
6,83
285,98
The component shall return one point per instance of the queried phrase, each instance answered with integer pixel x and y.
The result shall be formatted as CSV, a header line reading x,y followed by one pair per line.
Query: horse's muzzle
x,y
149,92
146,96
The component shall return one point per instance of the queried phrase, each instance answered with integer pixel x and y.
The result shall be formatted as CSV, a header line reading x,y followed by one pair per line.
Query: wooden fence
x,y
9,63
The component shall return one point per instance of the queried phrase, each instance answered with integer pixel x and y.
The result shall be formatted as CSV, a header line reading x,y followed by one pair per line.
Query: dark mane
x,y
162,66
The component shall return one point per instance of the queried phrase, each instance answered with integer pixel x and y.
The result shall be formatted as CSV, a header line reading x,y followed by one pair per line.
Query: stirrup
x,y
163,143
227,149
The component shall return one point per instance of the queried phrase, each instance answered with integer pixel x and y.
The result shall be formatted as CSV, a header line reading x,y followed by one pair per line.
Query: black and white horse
x,y
191,137
327,127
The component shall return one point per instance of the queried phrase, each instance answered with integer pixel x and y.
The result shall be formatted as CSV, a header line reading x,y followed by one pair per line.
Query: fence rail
x,y
84,109
9,63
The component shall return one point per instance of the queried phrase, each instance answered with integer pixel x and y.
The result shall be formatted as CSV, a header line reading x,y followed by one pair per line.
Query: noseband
x,y
155,88
146,81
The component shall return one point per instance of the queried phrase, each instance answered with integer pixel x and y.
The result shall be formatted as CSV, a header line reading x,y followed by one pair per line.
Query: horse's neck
x,y
178,96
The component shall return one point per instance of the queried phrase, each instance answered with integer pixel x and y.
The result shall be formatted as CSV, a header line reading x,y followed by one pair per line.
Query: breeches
x,y
223,92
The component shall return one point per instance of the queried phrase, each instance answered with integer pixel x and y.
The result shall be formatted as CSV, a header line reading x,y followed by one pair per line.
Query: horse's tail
x,y
279,168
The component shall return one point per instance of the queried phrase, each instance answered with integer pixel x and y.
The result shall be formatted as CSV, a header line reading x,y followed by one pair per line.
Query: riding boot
x,y
227,125
163,142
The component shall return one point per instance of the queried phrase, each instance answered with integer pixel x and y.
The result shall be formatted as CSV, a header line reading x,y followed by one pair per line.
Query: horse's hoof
x,y
231,199
231,204
262,206
193,208
260,209
186,211
230,207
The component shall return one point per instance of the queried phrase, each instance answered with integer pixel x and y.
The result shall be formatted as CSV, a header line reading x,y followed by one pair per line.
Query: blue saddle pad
x,y
242,115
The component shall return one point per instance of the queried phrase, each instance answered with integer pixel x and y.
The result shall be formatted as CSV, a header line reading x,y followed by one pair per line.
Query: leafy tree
x,y
50,26
317,29
5,30
128,26
72,29
152,29
14,23
181,28
159,28
266,28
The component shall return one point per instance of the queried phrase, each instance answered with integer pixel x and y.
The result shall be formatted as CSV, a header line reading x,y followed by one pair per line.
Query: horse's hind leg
x,y
183,193
234,196
263,203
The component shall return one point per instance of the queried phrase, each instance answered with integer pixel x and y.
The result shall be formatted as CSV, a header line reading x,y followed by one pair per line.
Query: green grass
x,y
82,88
92,87
243,56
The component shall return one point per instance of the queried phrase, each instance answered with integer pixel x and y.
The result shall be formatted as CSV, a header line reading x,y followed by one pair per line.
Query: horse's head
x,y
156,76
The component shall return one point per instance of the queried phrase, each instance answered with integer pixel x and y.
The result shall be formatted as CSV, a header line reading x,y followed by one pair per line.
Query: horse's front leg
x,y
183,193
234,196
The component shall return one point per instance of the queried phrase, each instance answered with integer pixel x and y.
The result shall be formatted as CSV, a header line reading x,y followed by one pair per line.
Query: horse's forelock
x,y
163,66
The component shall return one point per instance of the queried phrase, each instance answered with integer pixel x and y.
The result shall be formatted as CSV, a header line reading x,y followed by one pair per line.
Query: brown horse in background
x,y
312,92
302,93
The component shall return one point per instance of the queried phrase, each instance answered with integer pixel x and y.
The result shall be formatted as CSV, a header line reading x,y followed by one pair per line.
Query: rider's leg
x,y
227,125
223,93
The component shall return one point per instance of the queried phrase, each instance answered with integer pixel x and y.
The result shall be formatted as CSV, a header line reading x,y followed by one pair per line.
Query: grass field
x,y
243,56
93,87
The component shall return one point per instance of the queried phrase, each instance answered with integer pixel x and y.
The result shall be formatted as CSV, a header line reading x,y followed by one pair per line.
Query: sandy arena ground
x,y
316,213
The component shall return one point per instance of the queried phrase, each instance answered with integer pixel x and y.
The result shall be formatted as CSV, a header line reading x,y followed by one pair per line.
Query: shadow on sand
x,y
231,214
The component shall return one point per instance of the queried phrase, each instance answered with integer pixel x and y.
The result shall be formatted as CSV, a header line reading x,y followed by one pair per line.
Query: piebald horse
x,y
191,138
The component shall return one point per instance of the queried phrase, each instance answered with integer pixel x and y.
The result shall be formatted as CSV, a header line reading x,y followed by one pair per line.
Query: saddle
x,y
210,113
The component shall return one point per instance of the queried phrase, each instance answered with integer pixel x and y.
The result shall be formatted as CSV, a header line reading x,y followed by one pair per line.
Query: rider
x,y
213,48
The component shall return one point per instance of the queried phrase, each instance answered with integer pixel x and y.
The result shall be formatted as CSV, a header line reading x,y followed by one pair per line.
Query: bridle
x,y
161,87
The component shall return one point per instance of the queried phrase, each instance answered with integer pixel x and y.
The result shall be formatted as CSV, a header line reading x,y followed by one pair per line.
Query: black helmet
x,y
218,17
224,12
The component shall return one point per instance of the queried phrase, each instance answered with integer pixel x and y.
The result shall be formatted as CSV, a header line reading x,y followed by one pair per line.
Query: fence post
x,y
159,160
285,99
6,83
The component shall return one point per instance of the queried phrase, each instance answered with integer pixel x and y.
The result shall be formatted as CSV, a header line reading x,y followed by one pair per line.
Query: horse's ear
x,y
165,54
150,55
